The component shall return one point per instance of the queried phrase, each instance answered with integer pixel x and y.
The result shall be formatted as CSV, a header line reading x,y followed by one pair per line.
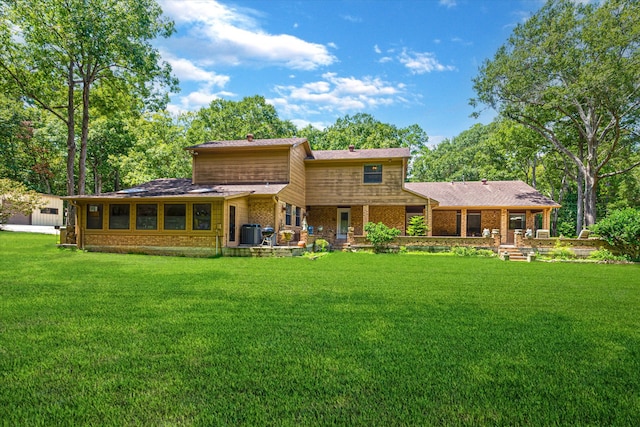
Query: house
x,y
51,214
238,187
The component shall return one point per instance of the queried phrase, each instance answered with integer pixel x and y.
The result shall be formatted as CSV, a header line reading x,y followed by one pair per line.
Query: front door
x,y
344,221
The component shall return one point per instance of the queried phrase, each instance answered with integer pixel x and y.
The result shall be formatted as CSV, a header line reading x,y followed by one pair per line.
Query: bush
x,y
380,235
606,255
321,245
561,251
417,226
621,229
469,251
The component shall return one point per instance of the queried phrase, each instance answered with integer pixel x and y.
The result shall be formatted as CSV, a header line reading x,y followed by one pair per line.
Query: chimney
x,y
484,181
249,137
352,148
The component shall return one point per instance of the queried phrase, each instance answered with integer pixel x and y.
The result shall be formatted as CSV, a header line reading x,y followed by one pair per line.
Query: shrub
x,y
417,226
380,235
321,245
606,255
469,251
621,229
561,251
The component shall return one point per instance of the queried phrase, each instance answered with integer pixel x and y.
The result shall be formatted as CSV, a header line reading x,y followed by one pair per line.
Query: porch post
x,y
365,216
546,219
463,223
504,225
428,214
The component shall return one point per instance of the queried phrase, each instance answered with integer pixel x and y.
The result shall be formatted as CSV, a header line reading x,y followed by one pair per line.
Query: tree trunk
x,y
580,201
533,172
71,147
590,186
82,163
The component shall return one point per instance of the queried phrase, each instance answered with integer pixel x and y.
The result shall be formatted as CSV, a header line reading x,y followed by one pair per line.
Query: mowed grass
x,y
348,339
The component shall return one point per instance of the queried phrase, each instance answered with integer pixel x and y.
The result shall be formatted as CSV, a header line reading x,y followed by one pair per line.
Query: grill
x,y
267,236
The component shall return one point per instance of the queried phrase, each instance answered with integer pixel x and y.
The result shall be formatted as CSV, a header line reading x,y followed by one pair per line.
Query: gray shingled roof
x,y
476,193
370,153
246,143
181,187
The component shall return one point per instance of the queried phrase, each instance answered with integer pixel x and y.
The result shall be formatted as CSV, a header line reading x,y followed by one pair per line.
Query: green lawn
x,y
347,339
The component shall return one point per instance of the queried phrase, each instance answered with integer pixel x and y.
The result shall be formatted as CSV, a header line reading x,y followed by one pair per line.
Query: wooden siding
x,y
343,184
241,167
242,217
294,193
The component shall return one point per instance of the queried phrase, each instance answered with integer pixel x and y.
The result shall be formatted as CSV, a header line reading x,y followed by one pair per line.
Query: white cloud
x,y
186,70
422,62
351,18
232,36
337,94
448,3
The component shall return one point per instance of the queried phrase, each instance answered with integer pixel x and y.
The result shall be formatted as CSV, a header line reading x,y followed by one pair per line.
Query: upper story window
x,y
373,174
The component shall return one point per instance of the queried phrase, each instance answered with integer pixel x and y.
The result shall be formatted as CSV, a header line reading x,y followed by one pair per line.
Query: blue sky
x,y
404,62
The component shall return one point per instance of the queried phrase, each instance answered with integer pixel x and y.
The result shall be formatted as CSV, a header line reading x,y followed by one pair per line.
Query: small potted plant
x,y
286,235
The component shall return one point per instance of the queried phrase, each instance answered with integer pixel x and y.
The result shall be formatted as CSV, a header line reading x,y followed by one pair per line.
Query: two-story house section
x,y
349,188
243,186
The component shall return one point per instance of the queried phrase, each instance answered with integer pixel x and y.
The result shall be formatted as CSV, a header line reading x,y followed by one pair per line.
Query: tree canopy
x,y
572,74
54,53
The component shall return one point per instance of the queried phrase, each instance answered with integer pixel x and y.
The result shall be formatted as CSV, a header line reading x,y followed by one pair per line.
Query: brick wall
x,y
490,219
444,223
152,239
391,216
325,217
261,212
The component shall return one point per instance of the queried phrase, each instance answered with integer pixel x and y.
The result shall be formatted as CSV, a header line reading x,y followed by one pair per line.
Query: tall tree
x,y
54,52
227,120
573,65
158,150
364,131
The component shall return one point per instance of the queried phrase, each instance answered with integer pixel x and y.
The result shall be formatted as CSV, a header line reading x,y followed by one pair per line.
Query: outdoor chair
x,y
584,234
542,234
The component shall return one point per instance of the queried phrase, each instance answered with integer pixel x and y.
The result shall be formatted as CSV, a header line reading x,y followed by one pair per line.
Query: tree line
x,y
84,95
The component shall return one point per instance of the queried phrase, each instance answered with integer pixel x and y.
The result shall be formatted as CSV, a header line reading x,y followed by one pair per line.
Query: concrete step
x,y
514,253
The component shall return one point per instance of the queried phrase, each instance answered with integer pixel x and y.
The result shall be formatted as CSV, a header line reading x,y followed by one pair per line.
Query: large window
x,y
119,217
372,174
175,216
94,217
202,216
146,217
